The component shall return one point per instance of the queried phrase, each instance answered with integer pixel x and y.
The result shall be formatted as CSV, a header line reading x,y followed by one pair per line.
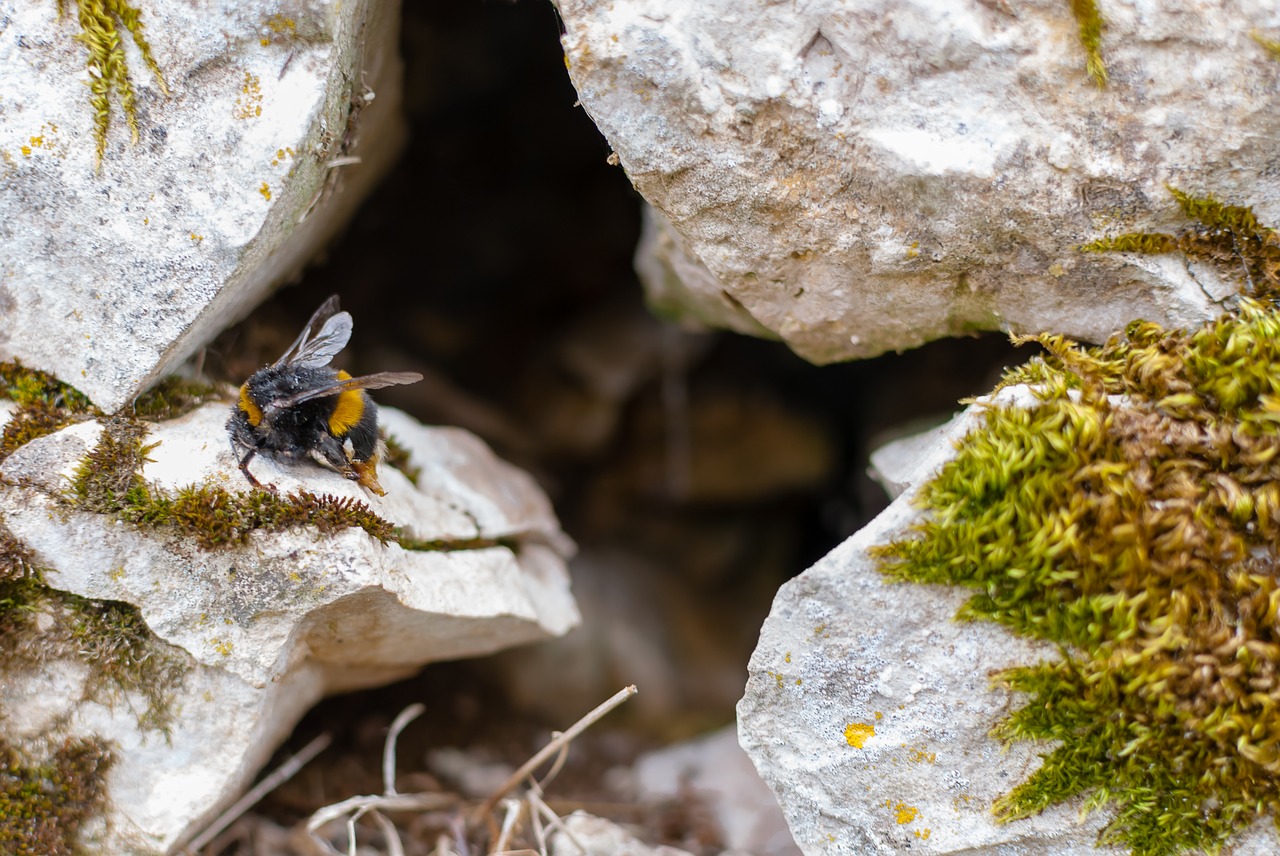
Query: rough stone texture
x,y
843,647
866,176
270,628
109,279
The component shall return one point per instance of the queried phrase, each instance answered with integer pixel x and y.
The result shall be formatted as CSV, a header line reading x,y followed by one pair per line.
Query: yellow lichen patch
x,y
249,101
902,812
265,190
221,646
856,734
923,834
920,755
282,155
100,22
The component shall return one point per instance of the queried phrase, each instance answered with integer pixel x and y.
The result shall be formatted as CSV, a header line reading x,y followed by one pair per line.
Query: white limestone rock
x,y
716,771
267,629
868,709
588,835
110,278
868,175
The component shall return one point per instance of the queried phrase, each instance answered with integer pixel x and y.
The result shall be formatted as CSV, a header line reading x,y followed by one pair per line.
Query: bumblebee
x,y
299,407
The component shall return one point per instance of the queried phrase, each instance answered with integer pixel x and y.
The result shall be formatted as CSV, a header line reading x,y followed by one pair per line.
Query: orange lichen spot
x,y
903,813
249,101
920,755
282,26
26,151
923,834
265,42
265,190
197,238
856,734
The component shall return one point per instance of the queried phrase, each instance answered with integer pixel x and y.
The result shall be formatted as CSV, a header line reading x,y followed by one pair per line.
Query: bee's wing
x,y
373,381
334,333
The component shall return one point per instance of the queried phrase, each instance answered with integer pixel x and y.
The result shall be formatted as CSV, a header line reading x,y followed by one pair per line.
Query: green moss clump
x,y
108,481
399,457
1091,25
100,29
44,806
45,404
1141,537
111,638
1228,235
456,543
173,397
32,386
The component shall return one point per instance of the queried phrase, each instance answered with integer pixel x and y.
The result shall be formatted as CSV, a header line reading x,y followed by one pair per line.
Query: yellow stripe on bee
x,y
250,409
347,412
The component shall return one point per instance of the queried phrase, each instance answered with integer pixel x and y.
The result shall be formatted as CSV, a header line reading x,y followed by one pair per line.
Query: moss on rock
x,y
1229,236
45,805
1132,517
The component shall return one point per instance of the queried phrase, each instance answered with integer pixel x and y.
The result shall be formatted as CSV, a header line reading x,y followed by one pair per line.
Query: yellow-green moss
x,y
1228,235
1271,46
101,23
1141,537
1091,25
44,805
172,397
45,404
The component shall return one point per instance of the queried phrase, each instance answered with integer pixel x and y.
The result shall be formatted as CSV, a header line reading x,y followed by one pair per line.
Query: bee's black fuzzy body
x,y
300,408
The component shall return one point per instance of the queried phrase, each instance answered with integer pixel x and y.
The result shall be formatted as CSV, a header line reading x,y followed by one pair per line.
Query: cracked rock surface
x,y
861,177
268,138
265,630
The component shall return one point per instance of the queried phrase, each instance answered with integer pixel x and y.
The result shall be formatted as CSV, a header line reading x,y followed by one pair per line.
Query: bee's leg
x,y
244,468
330,449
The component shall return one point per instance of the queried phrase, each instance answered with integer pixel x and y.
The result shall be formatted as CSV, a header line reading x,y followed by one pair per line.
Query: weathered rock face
x,y
869,707
252,636
859,177
112,277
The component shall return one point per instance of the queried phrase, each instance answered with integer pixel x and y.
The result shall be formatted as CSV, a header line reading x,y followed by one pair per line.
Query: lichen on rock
x,y
1130,515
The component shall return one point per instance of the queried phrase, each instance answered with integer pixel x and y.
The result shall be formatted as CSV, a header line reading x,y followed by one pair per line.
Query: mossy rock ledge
x,y
1064,636
169,625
